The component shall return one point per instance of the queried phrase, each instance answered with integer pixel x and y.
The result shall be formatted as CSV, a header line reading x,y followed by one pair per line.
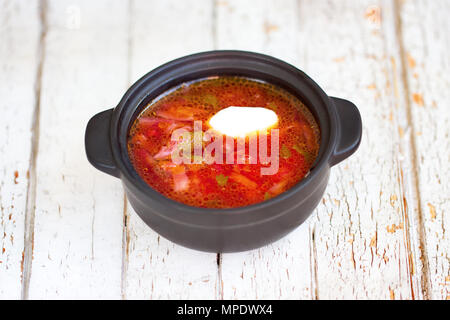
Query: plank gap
x,y
425,274
126,230
125,247
313,263
219,277
27,255
214,22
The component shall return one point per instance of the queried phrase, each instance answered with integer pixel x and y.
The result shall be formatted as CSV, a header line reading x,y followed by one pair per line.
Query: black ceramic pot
x,y
224,230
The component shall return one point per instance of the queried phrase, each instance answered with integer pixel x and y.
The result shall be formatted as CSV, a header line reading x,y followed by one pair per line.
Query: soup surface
x,y
215,185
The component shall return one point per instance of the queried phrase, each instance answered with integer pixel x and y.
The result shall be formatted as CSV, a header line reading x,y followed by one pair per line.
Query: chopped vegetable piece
x,y
221,180
166,151
298,149
308,156
211,100
243,180
272,105
278,187
180,181
285,152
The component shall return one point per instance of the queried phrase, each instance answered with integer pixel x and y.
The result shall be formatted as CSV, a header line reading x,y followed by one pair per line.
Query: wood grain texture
x,y
281,270
425,39
155,268
19,43
79,211
358,233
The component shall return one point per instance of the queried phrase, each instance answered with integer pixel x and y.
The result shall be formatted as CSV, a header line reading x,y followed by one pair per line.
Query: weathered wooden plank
x,y
155,268
281,270
404,161
79,211
424,27
359,233
19,43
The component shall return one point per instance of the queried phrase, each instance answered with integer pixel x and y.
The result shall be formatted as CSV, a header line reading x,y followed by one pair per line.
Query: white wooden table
x,y
382,230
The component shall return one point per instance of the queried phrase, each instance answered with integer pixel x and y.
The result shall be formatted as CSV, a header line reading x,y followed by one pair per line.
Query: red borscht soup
x,y
238,181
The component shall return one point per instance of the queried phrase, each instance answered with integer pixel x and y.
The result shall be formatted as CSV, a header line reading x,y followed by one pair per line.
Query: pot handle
x,y
349,128
98,145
